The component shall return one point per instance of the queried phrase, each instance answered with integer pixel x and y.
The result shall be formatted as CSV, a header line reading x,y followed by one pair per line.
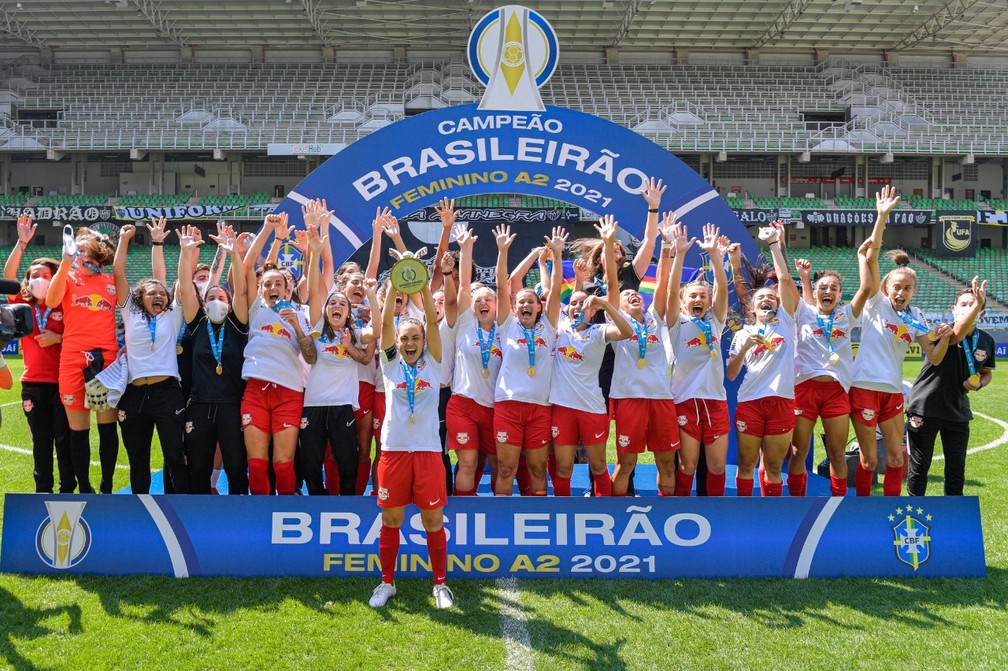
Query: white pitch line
x,y
7,405
517,645
21,450
991,445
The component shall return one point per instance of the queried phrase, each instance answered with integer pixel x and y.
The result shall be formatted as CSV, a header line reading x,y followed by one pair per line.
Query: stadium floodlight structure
x,y
791,13
10,25
951,12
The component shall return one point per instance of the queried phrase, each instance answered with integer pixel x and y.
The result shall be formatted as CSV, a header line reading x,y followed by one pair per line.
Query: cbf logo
x,y
64,538
513,52
911,536
291,259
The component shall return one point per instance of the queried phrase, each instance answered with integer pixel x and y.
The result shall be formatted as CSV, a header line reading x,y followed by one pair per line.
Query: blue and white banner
x,y
11,348
525,537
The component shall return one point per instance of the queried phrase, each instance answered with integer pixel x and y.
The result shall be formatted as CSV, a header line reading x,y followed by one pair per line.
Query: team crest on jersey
x,y
462,438
383,493
911,535
188,427
27,405
867,414
110,289
246,420
56,316
68,399
555,430
916,422
304,422
375,423
623,440
980,355
741,426
122,415
502,436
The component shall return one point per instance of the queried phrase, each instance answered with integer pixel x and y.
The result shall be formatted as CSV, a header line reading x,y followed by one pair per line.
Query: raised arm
x,y
618,328
652,193
227,245
316,217
516,280
466,240
742,289
804,268
446,211
57,287
158,233
716,246
122,286
504,238
868,279
451,309
606,228
681,242
556,243
377,229
788,289
885,201
271,223
388,336
190,240
433,334
217,265
660,301
25,231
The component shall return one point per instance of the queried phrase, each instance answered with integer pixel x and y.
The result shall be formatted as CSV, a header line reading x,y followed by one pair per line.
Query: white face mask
x,y
38,287
201,288
217,311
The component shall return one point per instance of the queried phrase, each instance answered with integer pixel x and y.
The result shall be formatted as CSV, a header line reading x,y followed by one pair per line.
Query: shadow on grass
x,y
24,623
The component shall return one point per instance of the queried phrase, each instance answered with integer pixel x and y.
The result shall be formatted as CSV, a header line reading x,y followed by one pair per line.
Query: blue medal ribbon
x,y
827,329
152,327
410,373
641,329
181,335
907,318
529,343
708,331
486,347
970,358
41,318
216,344
767,321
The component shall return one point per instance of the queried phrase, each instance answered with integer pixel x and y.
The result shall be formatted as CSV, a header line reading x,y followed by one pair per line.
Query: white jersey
x,y
144,360
514,382
409,310
468,380
885,339
365,371
447,334
272,353
812,357
770,370
398,433
576,368
653,380
696,373
333,377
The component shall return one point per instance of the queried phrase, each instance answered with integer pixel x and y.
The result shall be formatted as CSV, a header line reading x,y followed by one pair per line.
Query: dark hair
x,y
327,330
49,263
138,291
826,273
202,266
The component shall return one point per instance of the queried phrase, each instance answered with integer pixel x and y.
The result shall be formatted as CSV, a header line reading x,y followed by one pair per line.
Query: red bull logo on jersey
x,y
336,350
570,353
837,334
92,302
539,342
699,341
776,341
494,349
652,339
276,330
899,332
420,385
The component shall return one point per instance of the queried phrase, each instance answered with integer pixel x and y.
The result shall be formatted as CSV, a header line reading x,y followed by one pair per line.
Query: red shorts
x,y
365,399
568,426
767,416
270,407
522,424
703,419
644,421
813,400
411,477
871,407
378,413
71,376
470,425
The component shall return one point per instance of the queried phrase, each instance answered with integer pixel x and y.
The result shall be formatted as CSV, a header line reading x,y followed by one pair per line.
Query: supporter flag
x,y
647,286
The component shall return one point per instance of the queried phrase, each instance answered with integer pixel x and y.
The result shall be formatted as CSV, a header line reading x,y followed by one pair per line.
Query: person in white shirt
x,y
351,283
522,418
696,319
579,409
889,325
764,416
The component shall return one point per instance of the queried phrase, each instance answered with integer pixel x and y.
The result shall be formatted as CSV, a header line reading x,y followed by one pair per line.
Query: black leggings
x,y
955,440
47,422
334,424
141,409
208,425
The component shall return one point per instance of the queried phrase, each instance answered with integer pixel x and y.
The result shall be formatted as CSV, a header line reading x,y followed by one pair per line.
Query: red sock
x,y
286,482
437,550
522,475
797,484
332,479
464,492
258,477
363,475
683,484
388,551
562,487
862,481
837,486
892,483
551,465
744,487
715,484
603,484
773,489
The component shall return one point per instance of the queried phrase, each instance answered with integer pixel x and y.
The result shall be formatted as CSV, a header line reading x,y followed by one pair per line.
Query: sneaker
x,y
443,597
381,594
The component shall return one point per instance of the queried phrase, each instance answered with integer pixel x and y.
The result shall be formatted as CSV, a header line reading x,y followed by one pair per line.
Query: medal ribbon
x,y
641,329
181,334
152,326
529,343
41,318
705,326
485,347
970,359
410,372
216,343
827,329
907,318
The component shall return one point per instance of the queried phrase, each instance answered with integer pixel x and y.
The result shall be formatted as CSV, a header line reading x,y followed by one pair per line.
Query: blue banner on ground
x,y
487,537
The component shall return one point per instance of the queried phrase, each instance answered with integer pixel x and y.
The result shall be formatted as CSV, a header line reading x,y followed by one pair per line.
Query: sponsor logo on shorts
x,y
246,419
555,430
383,493
741,426
27,405
682,420
502,436
599,435
868,414
798,412
623,440
304,422
122,415
188,427
68,399
916,422
462,438
375,423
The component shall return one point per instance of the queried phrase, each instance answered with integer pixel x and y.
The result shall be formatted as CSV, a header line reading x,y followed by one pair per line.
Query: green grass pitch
x,y
219,623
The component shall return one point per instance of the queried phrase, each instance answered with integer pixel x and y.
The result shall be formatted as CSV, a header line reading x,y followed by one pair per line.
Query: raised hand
x,y
867,249
377,227
652,192
710,238
225,238
503,236
189,237
391,226
723,245
25,228
315,214
314,242
158,230
667,223
126,232
606,229
886,200
581,270
447,263
680,238
244,240
980,291
804,268
558,241
346,341
276,222
370,284
446,210
300,239
464,236
943,330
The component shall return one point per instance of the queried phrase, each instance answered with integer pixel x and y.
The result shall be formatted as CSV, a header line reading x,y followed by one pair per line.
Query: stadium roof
x,y
841,26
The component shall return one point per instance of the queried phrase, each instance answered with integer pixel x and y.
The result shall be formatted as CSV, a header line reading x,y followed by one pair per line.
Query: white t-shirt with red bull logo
x,y
332,380
576,368
885,339
468,380
812,356
145,361
447,352
409,310
654,380
513,382
398,433
696,373
770,370
272,353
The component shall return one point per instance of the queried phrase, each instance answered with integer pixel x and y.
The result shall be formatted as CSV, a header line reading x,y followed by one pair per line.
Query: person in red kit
x,y
410,469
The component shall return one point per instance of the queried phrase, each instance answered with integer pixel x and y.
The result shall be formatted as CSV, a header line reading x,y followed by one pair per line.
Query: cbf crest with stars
x,y
912,535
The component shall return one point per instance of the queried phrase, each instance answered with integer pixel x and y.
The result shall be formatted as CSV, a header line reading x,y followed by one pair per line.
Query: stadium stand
x,y
80,200
155,200
989,264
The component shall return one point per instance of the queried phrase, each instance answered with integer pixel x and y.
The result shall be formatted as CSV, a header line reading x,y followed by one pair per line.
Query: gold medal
x,y
975,379
932,336
834,358
531,371
713,354
220,369
641,363
486,373
178,349
412,418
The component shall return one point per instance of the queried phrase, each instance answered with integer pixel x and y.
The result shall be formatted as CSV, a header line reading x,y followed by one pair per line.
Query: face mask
x,y
93,267
201,287
217,311
38,287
